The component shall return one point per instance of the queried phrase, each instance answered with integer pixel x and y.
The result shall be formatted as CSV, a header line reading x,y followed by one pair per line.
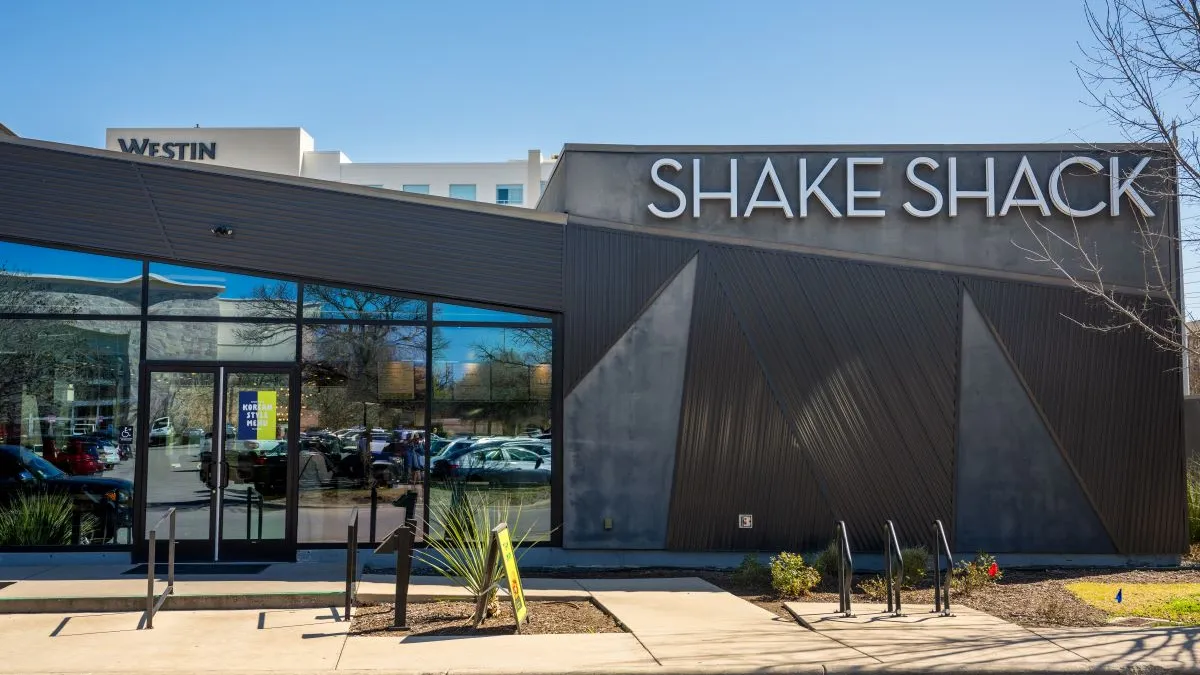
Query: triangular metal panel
x,y
737,455
1014,491
1099,392
863,361
612,276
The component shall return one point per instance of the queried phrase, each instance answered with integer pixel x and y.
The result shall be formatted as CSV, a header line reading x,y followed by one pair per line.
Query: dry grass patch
x,y
1177,603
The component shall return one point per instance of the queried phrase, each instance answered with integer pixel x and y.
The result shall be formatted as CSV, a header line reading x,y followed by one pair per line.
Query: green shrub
x,y
42,520
460,534
826,561
790,577
751,573
972,575
1193,493
916,563
875,588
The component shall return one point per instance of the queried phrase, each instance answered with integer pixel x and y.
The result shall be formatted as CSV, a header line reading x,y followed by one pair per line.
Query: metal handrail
x,y
251,493
895,567
940,544
845,569
154,604
351,560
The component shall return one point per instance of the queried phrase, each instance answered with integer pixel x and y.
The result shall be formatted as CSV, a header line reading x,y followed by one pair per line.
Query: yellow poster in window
x,y
515,591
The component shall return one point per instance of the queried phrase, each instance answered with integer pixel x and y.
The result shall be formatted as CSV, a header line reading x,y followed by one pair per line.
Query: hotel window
x,y
510,194
458,191
417,189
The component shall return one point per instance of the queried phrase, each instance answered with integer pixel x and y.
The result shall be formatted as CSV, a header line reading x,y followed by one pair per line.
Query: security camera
x,y
223,231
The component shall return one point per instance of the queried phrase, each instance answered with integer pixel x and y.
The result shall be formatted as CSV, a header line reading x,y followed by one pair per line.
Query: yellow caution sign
x,y
504,542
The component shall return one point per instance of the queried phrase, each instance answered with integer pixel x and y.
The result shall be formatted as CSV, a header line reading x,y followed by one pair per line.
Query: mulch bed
x,y
452,617
1032,598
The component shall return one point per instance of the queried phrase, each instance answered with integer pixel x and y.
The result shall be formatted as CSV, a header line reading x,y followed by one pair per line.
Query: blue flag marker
x,y
1119,592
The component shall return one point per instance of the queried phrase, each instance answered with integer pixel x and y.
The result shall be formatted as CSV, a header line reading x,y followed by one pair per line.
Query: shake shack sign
x,y
170,149
924,186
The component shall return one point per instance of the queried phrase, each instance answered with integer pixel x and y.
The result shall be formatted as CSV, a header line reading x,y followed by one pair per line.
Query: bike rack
x,y
153,604
351,560
845,569
894,570
940,544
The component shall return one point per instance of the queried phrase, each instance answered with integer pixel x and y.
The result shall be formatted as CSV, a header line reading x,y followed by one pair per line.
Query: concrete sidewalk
x,y
676,626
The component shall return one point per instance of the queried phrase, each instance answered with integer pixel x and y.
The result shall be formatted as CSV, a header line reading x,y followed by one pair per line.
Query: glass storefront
x,y
264,411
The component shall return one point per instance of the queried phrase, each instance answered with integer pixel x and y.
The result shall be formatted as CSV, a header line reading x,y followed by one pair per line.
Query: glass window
x,y
416,188
35,280
446,312
213,341
462,191
492,384
66,390
510,194
331,302
362,413
188,291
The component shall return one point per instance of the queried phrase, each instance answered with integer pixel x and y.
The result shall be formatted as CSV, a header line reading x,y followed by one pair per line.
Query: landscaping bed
x,y
1032,598
453,617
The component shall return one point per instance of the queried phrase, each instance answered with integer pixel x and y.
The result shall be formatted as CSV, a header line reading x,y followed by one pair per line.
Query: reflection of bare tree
x,y
503,384
36,355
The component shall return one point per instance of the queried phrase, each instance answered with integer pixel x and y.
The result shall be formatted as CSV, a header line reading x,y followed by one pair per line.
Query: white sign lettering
x,y
771,192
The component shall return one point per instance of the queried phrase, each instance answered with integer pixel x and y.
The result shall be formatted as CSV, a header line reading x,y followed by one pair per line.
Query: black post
x,y
887,546
937,571
260,516
404,549
374,507
249,509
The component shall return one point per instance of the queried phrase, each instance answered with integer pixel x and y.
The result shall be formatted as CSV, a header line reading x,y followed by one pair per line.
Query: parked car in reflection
x,y
76,457
107,451
161,431
440,465
109,499
542,448
501,466
316,470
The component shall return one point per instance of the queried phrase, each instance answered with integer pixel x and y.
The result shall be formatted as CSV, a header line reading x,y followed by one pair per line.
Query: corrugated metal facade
x,y
1112,400
154,209
862,360
737,453
609,278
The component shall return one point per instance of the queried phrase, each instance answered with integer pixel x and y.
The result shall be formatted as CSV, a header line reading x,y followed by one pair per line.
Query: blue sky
x,y
474,80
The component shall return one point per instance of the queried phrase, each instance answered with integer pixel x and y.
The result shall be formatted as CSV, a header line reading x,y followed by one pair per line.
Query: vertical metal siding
x,y
279,228
609,278
862,361
1112,400
737,454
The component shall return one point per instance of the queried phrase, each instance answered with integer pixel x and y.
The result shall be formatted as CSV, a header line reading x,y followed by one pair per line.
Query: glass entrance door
x,y
219,454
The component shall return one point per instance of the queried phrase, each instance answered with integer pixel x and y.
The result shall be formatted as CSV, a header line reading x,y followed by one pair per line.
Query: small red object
x,y
993,569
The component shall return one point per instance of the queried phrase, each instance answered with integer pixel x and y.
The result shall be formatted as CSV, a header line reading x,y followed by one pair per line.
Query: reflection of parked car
x,y
106,451
109,499
78,458
270,470
161,431
542,448
502,466
440,466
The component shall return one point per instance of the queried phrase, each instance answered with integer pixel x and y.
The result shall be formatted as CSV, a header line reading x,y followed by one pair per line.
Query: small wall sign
x,y
745,521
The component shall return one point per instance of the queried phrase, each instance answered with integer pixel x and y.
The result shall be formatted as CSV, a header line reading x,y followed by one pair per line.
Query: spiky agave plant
x,y
457,541
41,519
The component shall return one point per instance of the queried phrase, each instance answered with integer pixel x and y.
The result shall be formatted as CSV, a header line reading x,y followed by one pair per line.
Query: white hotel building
x,y
292,151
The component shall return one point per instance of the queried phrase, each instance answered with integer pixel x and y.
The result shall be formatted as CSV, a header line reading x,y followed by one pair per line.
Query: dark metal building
x,y
749,343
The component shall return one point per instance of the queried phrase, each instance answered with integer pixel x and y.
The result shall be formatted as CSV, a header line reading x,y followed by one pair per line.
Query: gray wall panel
x,y
610,277
1014,490
1112,399
615,185
280,228
620,426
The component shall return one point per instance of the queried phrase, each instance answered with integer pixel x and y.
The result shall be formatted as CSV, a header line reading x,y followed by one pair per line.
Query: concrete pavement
x,y
676,626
